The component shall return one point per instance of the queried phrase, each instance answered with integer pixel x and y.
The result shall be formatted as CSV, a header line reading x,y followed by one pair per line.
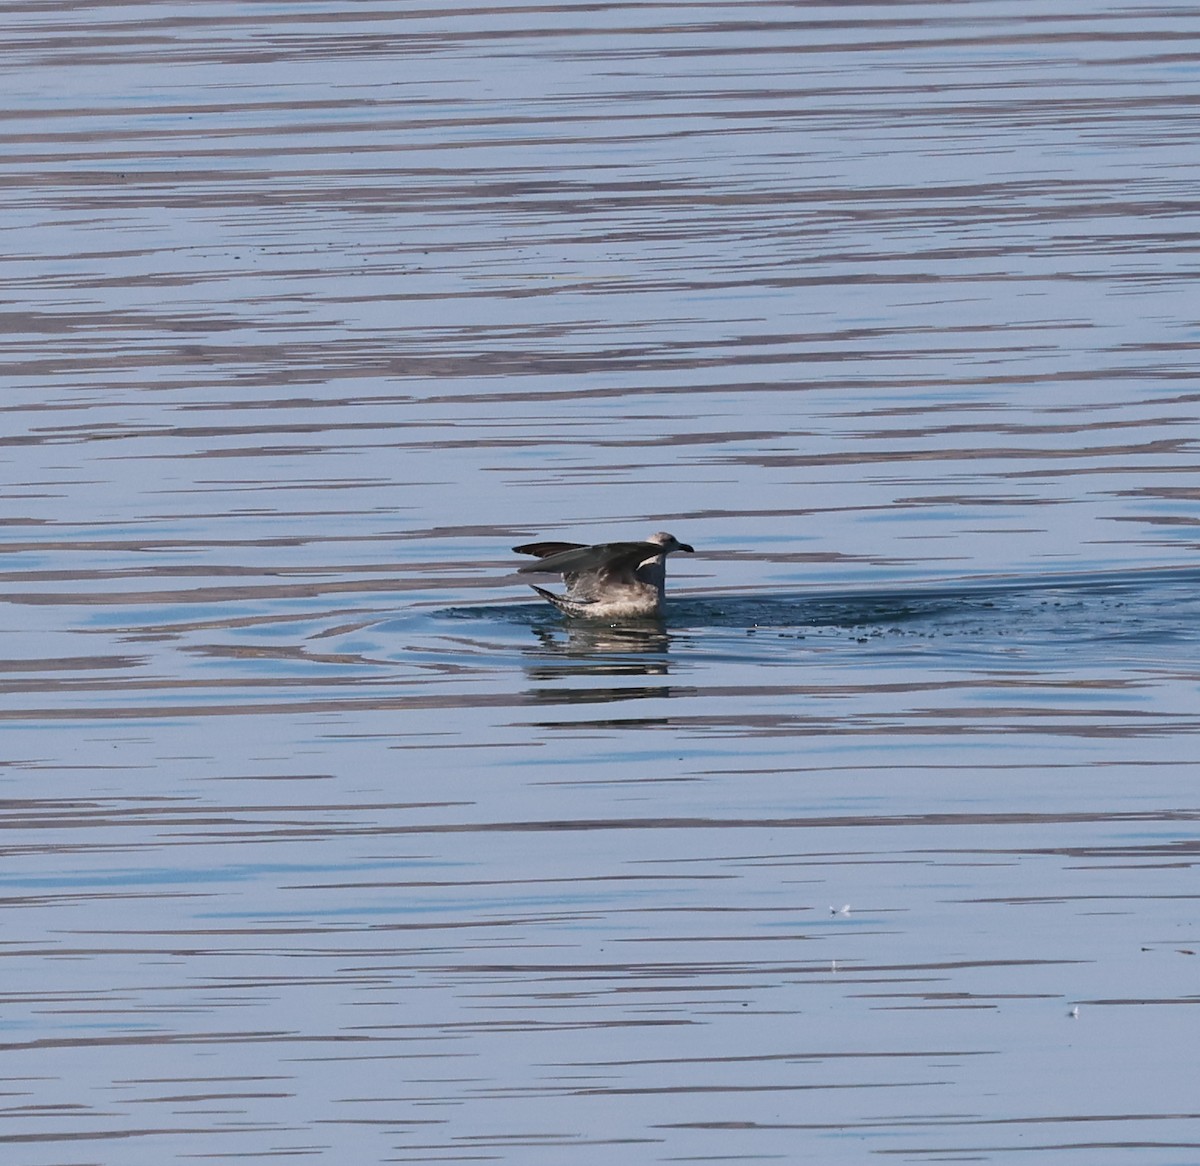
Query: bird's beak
x,y
685,547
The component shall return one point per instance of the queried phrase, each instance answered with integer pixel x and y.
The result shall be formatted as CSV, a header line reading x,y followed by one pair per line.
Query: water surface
x,y
326,840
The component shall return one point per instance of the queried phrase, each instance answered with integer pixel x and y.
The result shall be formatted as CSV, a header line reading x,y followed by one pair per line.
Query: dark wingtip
x,y
543,550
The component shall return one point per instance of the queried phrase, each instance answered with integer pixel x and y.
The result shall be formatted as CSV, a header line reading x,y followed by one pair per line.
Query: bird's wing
x,y
542,550
605,559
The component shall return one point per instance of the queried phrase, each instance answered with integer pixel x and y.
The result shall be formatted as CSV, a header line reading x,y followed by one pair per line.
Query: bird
x,y
611,581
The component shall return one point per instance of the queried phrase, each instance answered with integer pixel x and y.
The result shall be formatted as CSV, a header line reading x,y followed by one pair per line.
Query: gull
x,y
609,580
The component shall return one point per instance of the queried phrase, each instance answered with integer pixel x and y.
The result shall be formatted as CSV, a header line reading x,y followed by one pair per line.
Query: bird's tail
x,y
565,605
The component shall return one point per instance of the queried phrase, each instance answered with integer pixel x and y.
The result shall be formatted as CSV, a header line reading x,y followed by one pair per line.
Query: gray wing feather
x,y
604,558
542,550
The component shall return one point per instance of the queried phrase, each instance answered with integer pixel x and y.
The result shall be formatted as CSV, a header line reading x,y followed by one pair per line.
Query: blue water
x,y
325,839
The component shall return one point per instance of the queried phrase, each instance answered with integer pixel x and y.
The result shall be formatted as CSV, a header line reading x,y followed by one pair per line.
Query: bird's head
x,y
670,543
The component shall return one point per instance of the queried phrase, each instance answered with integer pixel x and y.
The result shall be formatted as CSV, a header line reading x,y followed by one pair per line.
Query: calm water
x,y
325,841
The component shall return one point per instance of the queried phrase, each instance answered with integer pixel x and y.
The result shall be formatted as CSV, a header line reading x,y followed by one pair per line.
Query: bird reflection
x,y
582,649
